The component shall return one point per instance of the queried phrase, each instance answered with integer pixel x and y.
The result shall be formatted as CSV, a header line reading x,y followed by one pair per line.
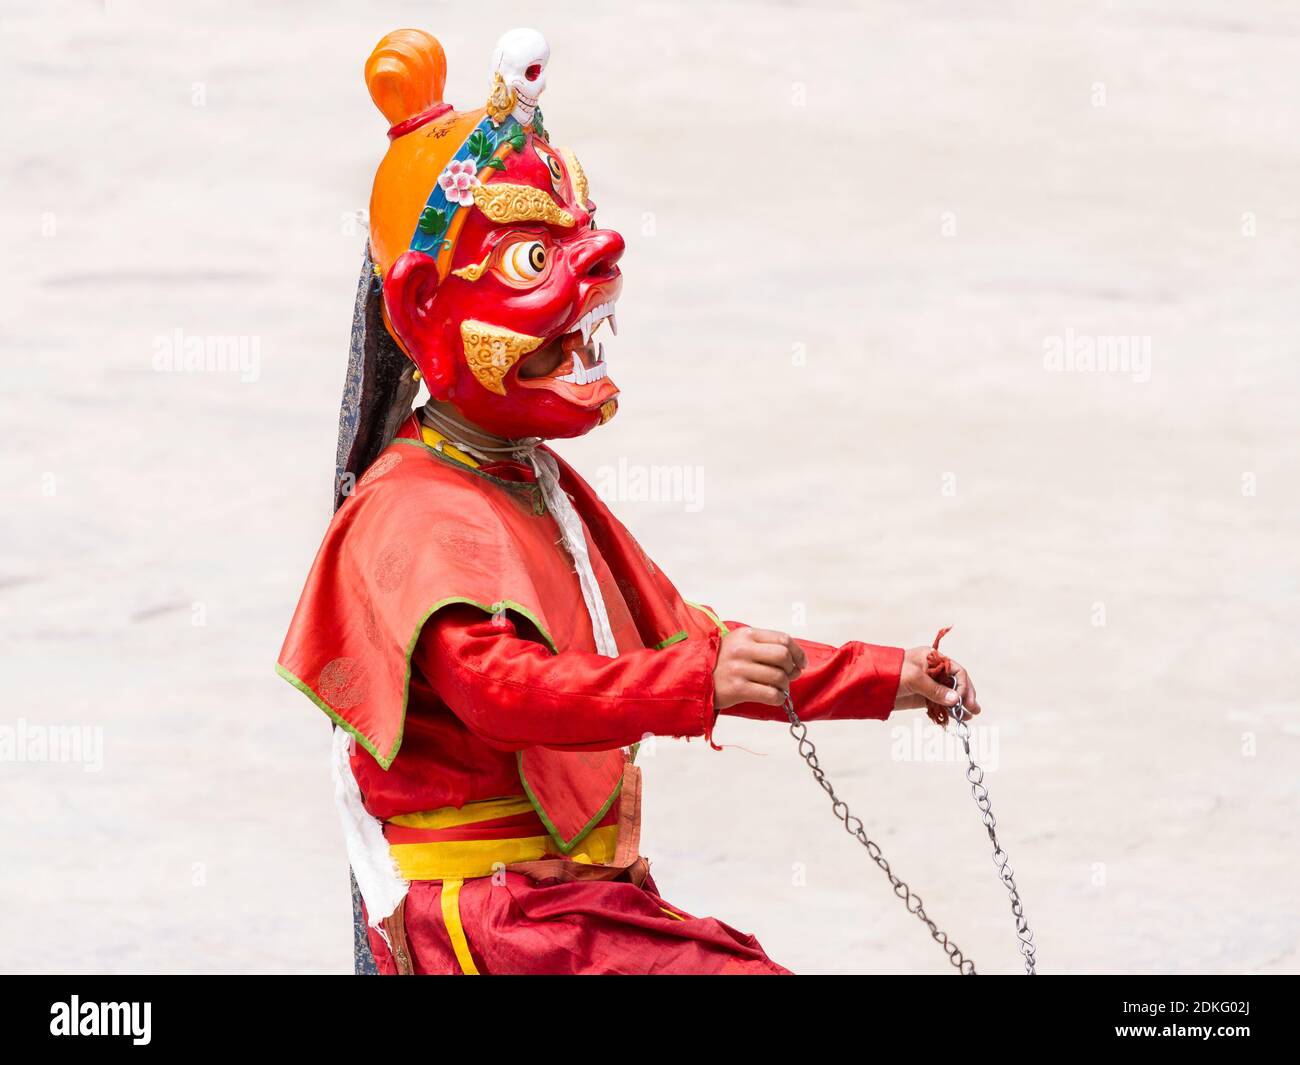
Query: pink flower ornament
x,y
458,180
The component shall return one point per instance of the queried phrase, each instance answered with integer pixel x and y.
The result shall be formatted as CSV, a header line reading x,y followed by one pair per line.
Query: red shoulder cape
x,y
422,532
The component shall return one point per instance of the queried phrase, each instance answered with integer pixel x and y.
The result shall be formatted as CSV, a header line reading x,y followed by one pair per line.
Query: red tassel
x,y
939,667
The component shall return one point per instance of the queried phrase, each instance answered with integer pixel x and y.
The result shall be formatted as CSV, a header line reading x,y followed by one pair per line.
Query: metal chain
x,y
854,826
975,776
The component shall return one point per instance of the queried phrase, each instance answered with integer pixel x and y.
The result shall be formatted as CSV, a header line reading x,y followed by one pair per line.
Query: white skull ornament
x,y
520,57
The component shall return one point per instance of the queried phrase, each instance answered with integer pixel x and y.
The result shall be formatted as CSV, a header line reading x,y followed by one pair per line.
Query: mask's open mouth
x,y
573,364
567,359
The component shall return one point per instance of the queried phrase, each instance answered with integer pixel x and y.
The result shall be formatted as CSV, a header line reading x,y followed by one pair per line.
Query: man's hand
x,y
916,688
756,666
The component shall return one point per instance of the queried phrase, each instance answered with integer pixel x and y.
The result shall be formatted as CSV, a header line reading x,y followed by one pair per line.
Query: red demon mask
x,y
495,277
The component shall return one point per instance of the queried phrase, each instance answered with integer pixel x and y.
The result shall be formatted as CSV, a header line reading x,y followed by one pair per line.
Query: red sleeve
x,y
857,680
513,693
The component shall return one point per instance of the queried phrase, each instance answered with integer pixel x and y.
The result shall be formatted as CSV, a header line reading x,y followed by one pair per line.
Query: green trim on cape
x,y
676,637
722,627
455,600
565,845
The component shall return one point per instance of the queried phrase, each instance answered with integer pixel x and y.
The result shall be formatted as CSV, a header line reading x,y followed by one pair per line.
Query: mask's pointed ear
x,y
409,291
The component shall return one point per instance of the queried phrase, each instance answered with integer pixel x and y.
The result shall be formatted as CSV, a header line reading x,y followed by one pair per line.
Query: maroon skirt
x,y
511,924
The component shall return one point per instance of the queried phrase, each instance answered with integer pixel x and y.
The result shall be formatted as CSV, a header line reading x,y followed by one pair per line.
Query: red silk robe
x,y
492,746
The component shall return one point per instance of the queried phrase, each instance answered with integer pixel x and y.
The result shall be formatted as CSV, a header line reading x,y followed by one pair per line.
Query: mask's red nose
x,y
598,254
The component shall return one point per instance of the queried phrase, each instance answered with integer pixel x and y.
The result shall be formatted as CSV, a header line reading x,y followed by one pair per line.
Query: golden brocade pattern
x,y
519,203
474,271
501,101
577,176
490,351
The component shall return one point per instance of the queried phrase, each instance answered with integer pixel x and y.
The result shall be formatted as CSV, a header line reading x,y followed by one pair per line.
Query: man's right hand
x,y
755,666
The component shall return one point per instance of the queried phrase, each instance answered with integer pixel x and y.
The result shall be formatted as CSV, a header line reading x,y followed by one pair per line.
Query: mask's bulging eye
x,y
556,171
524,261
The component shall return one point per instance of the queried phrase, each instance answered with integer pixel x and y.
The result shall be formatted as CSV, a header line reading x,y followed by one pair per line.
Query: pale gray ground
x,y
851,228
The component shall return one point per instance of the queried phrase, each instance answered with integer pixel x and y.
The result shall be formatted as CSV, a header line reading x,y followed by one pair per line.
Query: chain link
x,y
854,827
975,777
